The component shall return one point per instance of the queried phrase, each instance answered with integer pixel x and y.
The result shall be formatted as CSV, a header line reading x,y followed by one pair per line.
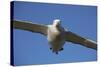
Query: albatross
x,y
56,34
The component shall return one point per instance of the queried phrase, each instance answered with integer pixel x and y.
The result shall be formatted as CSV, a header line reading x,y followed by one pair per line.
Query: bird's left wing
x,y
36,28
72,37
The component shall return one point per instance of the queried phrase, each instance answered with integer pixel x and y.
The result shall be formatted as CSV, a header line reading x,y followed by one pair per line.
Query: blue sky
x,y
32,48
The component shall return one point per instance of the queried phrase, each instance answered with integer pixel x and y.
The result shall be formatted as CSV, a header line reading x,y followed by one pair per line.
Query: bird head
x,y
56,22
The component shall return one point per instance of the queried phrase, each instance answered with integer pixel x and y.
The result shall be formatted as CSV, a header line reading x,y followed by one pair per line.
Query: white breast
x,y
55,38
52,33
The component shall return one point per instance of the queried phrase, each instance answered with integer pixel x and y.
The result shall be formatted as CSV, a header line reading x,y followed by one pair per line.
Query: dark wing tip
x,y
36,28
74,38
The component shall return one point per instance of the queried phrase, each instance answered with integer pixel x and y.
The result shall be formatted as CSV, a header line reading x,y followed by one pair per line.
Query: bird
x,y
55,33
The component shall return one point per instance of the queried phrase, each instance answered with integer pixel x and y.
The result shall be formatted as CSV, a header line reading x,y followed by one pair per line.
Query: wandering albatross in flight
x,y
56,34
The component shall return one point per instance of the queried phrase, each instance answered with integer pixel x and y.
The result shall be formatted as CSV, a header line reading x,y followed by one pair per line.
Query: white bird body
x,y
55,38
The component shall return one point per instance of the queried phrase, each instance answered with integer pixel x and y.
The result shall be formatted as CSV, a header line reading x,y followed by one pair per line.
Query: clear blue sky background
x,y
32,48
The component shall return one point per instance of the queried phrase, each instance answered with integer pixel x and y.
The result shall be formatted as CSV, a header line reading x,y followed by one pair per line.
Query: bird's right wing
x,y
36,28
72,37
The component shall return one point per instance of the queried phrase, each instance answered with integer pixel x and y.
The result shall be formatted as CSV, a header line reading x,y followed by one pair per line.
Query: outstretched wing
x,y
36,28
72,37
